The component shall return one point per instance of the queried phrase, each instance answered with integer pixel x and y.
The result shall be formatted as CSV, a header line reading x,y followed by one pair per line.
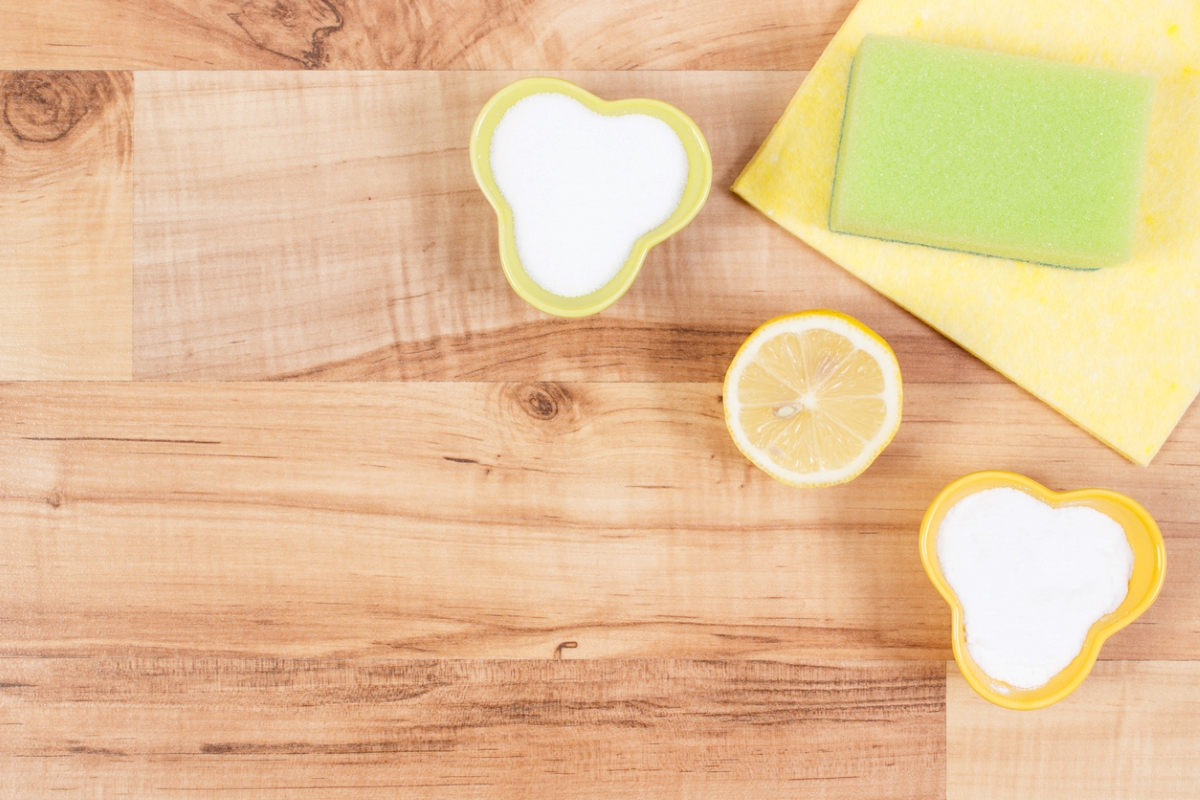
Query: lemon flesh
x,y
813,398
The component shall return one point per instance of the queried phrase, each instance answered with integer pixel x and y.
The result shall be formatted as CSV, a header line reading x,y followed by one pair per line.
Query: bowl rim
x,y
1148,545
695,193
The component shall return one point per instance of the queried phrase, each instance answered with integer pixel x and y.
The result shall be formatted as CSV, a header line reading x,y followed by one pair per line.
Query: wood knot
x,y
295,29
45,106
544,411
543,401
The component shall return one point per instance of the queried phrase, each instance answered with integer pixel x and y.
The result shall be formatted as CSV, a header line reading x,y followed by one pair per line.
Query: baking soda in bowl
x,y
1032,580
583,187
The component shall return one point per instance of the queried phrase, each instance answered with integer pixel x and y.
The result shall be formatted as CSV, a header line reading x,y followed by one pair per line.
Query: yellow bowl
x,y
1149,566
694,194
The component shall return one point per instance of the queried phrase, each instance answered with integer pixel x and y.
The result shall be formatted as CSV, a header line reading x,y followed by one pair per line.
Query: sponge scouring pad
x,y
991,153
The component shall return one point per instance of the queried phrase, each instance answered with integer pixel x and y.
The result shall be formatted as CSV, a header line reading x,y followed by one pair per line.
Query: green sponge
x,y
990,153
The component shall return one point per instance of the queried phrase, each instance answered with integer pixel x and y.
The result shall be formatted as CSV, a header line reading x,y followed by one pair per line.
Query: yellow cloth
x,y
1117,350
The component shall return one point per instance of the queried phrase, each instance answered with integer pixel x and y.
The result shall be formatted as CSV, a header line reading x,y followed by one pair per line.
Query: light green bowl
x,y
694,194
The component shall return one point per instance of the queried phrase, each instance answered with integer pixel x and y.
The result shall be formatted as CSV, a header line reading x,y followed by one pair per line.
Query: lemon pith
x,y
812,398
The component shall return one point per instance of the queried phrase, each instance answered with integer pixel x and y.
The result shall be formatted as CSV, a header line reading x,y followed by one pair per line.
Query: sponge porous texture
x,y
990,153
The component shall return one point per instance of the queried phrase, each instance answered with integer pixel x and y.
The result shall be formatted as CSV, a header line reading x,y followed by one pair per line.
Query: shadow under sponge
x,y
990,153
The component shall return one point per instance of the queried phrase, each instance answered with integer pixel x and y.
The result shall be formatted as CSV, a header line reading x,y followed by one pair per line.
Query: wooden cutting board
x,y
363,524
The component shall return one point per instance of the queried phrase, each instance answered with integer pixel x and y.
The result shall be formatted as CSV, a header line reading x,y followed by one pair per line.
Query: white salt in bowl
x,y
695,192
1149,567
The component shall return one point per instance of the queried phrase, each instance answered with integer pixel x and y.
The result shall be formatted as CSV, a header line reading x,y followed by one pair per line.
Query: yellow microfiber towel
x,y
1116,350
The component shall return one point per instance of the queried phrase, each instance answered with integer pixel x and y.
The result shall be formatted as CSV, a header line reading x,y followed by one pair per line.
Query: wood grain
x,y
374,728
501,520
328,227
423,34
450,520
1129,732
265,589
66,225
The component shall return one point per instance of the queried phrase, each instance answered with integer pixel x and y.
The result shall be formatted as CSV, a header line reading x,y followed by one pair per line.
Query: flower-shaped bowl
x,y
695,192
1149,566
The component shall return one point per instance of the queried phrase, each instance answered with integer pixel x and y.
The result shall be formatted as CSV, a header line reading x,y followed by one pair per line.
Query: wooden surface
x,y
360,184
178,727
421,34
490,520
1130,732
364,524
66,224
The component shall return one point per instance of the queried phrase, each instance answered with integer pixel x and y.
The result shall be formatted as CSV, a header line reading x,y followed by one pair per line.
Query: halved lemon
x,y
812,398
